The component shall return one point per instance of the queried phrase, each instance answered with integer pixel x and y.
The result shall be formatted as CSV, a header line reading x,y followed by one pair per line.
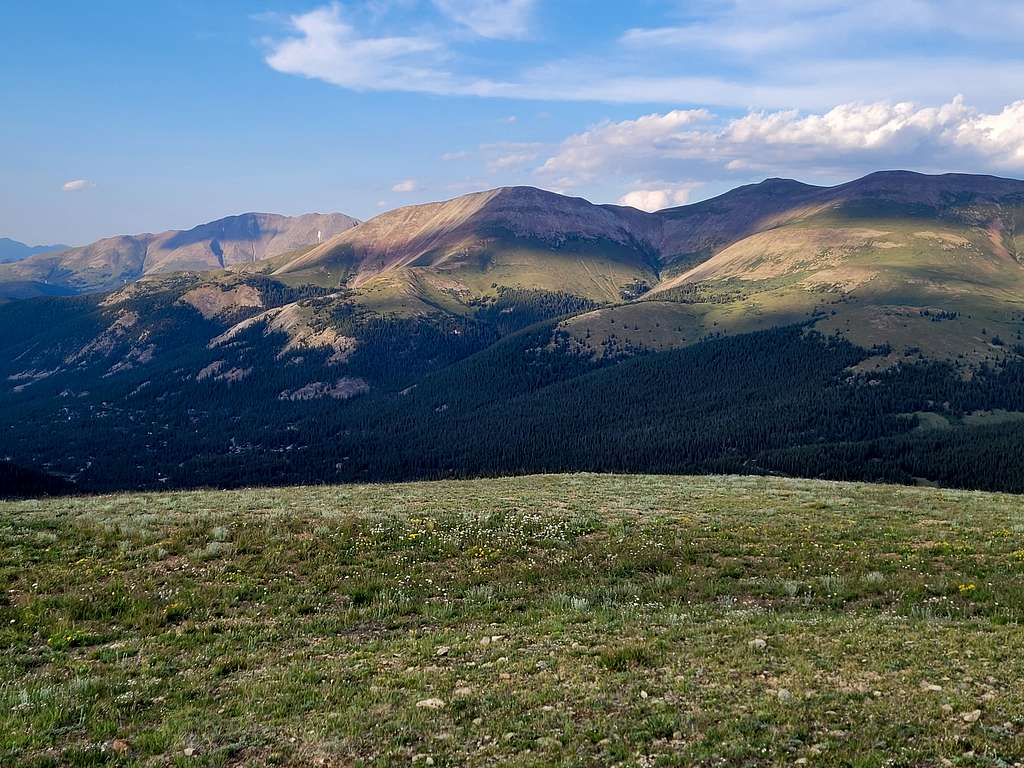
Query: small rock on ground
x,y
430,703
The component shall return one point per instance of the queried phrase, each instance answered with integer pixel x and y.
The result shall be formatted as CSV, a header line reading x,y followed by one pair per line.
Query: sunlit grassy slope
x,y
923,286
555,620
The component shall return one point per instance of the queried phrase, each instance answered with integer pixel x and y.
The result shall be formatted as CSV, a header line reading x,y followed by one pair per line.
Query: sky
x,y
126,117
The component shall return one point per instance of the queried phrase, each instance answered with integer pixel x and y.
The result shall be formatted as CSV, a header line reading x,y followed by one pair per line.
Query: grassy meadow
x,y
553,620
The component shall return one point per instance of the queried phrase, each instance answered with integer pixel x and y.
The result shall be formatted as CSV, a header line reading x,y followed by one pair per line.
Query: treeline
x,y
19,482
274,293
977,457
516,308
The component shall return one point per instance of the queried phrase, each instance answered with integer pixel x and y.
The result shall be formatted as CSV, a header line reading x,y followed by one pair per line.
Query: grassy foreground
x,y
556,620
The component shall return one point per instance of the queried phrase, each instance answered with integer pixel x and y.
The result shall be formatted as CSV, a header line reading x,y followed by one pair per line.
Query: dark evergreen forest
x,y
495,393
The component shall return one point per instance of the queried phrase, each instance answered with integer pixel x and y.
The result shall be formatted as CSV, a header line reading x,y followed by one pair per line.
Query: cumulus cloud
x,y
846,139
657,199
406,185
76,185
496,19
615,146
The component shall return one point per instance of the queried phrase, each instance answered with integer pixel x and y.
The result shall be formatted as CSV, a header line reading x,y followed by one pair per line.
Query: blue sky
x,y
126,117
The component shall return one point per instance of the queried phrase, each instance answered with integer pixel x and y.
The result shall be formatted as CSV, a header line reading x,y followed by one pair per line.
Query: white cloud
x,y
613,144
76,185
496,19
657,199
326,47
460,155
998,135
846,139
759,27
514,160
406,185
775,54
505,156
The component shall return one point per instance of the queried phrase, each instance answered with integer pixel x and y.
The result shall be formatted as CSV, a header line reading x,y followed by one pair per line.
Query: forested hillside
x,y
870,331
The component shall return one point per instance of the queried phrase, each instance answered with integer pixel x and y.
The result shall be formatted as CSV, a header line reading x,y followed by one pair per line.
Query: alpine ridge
x,y
873,330
114,261
12,250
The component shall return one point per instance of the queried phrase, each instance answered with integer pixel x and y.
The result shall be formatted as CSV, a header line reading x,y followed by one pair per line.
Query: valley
x,y
780,328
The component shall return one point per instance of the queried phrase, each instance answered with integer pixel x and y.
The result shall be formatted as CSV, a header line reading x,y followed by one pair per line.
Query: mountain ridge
x,y
872,330
491,230
14,250
437,231
110,262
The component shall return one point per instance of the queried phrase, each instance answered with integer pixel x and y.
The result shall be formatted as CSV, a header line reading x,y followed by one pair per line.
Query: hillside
x,y
882,257
925,264
870,331
524,237
550,620
516,236
112,262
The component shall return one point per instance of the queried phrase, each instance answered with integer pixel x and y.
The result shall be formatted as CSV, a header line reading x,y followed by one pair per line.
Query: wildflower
x,y
966,588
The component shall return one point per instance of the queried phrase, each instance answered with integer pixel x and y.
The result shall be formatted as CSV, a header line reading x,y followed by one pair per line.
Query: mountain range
x,y
114,261
760,256
869,330
12,250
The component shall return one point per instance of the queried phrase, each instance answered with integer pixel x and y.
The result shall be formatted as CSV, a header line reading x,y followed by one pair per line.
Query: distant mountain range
x,y
12,250
114,261
871,330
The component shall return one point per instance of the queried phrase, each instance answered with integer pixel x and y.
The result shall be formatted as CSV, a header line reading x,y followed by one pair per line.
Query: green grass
x,y
870,290
555,620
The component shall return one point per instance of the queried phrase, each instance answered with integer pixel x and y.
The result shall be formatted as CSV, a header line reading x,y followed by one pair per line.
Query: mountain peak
x,y
778,181
926,189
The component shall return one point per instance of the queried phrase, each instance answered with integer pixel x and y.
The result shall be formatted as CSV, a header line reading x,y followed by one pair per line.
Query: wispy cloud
x,y
325,46
773,54
76,185
760,82
514,160
837,28
507,156
406,185
496,19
